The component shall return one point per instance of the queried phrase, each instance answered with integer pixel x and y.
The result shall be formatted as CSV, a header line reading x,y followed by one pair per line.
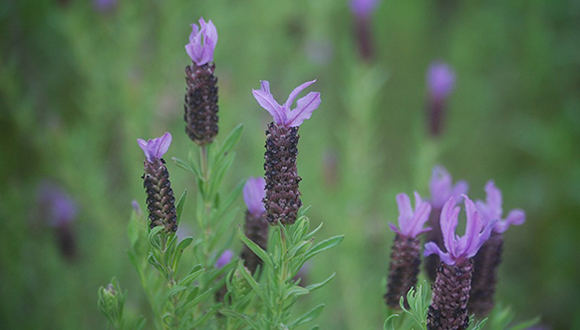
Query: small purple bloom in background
x,y
254,193
282,114
442,188
458,248
491,209
136,207
224,259
440,80
104,5
155,149
363,8
411,221
202,42
60,207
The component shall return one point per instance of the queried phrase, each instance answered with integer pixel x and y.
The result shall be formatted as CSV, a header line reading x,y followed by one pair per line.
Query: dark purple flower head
x,y
202,42
440,80
491,210
224,259
477,231
411,222
254,193
363,8
442,188
60,207
156,148
282,114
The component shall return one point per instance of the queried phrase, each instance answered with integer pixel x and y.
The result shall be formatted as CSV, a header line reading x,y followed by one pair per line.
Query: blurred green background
x,y
80,83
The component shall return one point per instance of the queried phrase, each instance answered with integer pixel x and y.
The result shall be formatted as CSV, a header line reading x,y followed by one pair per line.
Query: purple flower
x,y
202,42
363,8
492,210
411,222
254,193
104,5
458,248
282,114
224,259
60,207
156,148
440,80
442,188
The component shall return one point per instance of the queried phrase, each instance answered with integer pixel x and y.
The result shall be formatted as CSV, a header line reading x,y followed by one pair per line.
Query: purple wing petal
x,y
163,145
471,239
493,200
304,108
295,93
211,32
254,193
432,248
448,223
514,218
395,229
266,101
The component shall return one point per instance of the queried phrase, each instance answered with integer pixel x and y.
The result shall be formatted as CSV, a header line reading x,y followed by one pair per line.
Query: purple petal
x,y
395,229
254,192
224,259
304,108
266,101
432,248
295,93
363,8
440,80
471,238
155,149
515,218
493,200
448,223
202,42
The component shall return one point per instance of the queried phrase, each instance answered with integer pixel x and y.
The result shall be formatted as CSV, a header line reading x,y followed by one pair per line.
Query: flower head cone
x,y
282,200
441,188
448,309
487,260
160,199
406,251
256,227
201,95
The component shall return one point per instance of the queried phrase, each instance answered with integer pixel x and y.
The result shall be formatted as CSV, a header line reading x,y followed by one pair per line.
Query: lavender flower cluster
x,y
464,269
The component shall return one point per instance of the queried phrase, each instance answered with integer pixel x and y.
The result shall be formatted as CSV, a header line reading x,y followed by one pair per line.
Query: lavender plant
x,y
217,290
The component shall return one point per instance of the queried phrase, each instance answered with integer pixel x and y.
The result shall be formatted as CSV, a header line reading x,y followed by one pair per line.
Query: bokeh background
x,y
80,81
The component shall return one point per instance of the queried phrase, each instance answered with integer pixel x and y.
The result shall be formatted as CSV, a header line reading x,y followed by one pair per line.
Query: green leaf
x,y
193,275
232,139
323,246
526,324
182,164
255,248
317,286
220,172
295,291
184,243
232,196
389,322
312,233
252,282
175,290
241,317
309,316
179,205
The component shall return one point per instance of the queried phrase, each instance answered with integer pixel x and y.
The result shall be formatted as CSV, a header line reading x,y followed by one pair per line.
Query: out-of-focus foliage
x,y
79,84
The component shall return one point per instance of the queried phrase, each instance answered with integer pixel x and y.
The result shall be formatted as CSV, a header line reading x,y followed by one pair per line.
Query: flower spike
x,y
406,251
160,199
256,227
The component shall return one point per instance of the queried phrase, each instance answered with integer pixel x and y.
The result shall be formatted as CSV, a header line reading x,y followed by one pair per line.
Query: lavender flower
x,y
448,309
487,260
256,227
61,211
160,199
406,251
202,42
441,188
282,195
440,84
224,259
362,10
201,96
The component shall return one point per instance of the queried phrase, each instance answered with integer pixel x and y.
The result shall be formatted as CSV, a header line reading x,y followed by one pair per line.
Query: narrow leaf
x,y
323,246
309,316
317,286
255,248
